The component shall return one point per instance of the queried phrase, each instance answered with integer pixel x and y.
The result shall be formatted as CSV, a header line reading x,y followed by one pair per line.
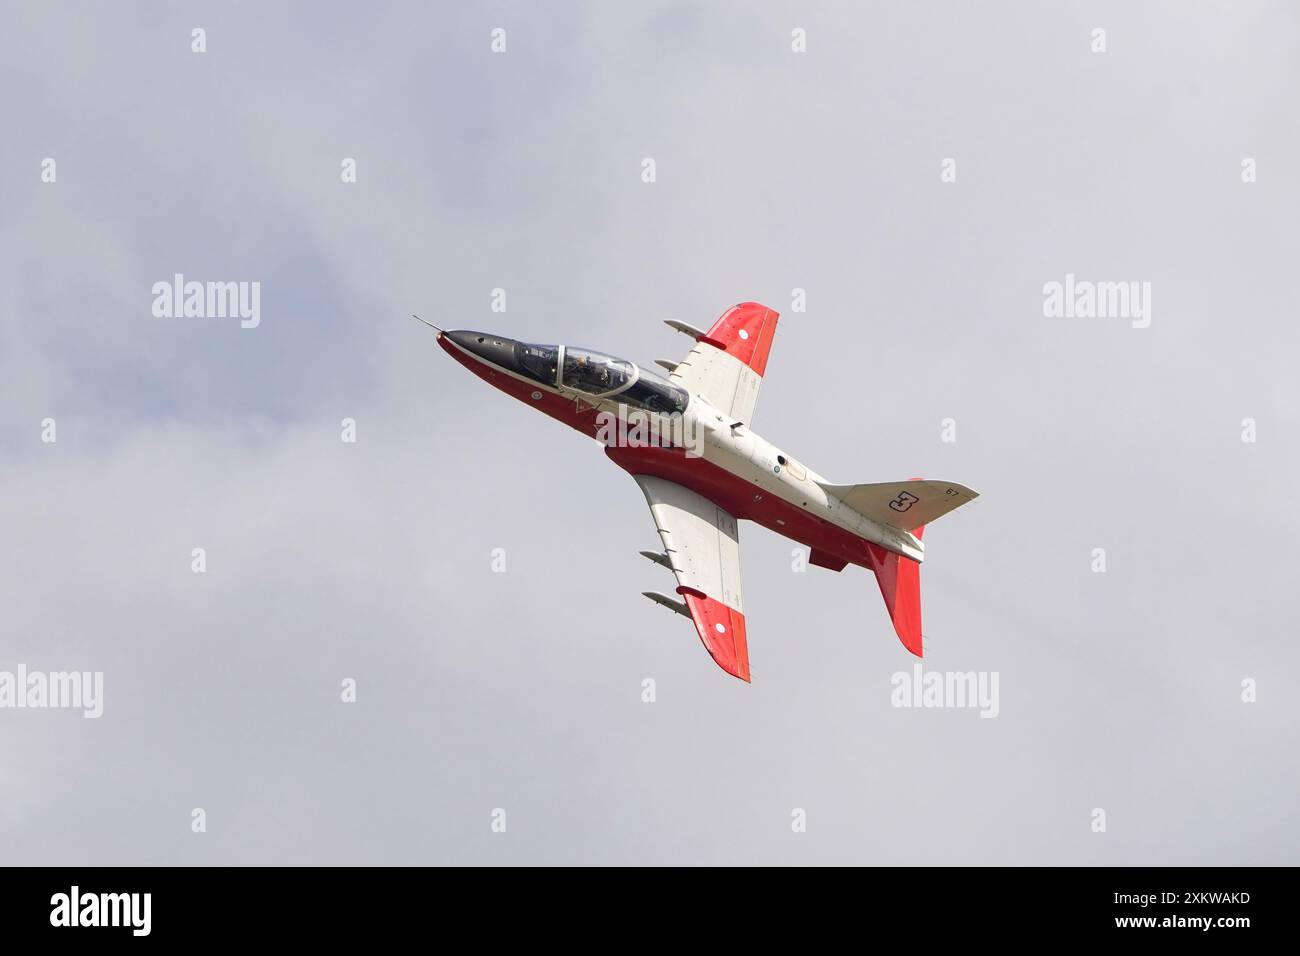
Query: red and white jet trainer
x,y
697,495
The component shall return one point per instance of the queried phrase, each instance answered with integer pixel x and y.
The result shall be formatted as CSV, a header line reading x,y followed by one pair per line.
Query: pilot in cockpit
x,y
595,373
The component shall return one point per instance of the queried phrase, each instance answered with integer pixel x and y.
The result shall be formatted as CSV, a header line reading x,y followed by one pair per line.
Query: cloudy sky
x,y
776,170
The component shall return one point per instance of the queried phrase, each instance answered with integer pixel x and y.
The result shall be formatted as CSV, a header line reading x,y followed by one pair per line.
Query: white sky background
x,y
522,690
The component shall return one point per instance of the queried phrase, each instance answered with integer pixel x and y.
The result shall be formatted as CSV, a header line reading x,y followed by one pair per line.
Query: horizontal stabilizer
x,y
668,602
905,505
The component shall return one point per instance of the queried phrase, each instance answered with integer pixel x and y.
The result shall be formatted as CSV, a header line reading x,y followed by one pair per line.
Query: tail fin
x,y
900,585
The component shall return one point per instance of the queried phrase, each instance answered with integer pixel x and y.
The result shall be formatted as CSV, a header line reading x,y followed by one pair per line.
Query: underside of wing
x,y
727,364
702,549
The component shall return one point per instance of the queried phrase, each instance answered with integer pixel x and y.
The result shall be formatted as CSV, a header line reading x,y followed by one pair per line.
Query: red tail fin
x,y
900,585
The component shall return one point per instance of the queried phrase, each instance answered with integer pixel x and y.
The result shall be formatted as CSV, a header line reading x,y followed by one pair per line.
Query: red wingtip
x,y
745,331
722,629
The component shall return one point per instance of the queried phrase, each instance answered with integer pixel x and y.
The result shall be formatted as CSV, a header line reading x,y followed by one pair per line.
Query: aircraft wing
x,y
728,361
703,550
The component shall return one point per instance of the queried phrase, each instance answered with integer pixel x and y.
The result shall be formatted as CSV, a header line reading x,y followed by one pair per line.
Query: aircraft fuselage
x,y
729,464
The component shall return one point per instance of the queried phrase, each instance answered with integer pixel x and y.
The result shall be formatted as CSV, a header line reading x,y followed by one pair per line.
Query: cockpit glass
x,y
656,394
594,373
538,362
597,374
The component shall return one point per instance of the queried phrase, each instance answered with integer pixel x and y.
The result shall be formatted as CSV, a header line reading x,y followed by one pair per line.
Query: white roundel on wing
x,y
744,334
720,629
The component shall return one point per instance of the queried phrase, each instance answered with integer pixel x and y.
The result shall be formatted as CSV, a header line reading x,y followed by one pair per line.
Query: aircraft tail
x,y
907,506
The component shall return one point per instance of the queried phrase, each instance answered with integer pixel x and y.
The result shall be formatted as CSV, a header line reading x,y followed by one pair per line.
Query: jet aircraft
x,y
703,469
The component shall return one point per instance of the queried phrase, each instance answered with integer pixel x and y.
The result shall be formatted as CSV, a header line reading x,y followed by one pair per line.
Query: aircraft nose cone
x,y
496,349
